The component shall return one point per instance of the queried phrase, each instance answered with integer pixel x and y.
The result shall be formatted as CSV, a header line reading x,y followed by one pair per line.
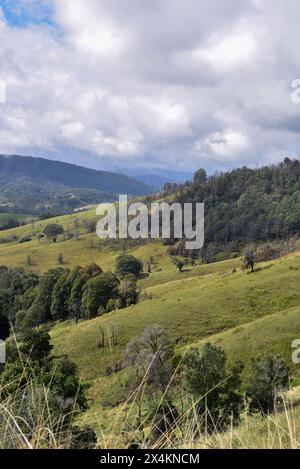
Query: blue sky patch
x,y
21,13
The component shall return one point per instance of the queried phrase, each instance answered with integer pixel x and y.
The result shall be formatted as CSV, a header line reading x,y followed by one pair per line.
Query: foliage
x,y
59,373
52,231
244,205
36,344
97,293
128,264
128,291
216,390
152,355
269,377
179,262
249,259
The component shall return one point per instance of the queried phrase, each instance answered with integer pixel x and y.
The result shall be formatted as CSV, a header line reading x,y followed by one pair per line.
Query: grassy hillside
x,y
83,251
247,306
249,315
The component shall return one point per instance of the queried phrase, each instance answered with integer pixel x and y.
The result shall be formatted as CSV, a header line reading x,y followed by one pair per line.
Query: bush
x,y
268,252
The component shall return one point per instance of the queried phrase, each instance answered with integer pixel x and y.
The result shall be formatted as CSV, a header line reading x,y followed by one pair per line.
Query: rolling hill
x,y
33,185
249,315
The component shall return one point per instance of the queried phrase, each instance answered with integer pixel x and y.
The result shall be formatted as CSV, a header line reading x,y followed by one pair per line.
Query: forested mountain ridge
x,y
36,184
245,205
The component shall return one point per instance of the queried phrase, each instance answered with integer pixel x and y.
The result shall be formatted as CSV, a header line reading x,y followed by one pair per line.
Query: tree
x,y
97,292
215,390
128,291
249,258
52,231
43,300
200,177
29,260
179,263
78,278
59,297
268,378
128,264
36,344
90,224
152,354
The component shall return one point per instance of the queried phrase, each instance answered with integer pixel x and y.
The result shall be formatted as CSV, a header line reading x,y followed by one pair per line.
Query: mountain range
x,y
34,185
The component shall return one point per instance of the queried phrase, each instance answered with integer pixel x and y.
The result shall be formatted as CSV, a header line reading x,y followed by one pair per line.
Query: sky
x,y
177,84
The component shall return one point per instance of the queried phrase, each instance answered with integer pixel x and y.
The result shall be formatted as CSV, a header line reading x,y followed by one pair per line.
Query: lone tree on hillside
x,y
127,264
180,263
250,258
52,232
151,354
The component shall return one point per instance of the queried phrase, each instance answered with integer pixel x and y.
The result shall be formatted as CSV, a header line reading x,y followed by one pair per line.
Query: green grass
x,y
190,309
270,335
75,252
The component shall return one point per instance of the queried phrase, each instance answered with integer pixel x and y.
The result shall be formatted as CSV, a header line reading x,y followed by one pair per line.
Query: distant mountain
x,y
33,185
158,177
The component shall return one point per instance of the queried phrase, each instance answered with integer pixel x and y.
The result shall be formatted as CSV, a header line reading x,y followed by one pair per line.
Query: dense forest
x,y
244,205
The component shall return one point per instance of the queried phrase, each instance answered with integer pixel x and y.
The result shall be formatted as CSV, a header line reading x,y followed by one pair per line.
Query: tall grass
x,y
28,420
29,417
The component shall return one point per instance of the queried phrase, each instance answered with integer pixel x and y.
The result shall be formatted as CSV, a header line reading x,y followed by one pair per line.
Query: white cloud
x,y
180,83
223,146
229,52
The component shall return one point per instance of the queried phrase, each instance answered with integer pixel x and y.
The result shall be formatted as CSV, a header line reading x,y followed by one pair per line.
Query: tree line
x,y
27,300
243,206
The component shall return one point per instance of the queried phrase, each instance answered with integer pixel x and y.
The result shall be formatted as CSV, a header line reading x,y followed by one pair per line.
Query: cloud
x,y
223,146
182,83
